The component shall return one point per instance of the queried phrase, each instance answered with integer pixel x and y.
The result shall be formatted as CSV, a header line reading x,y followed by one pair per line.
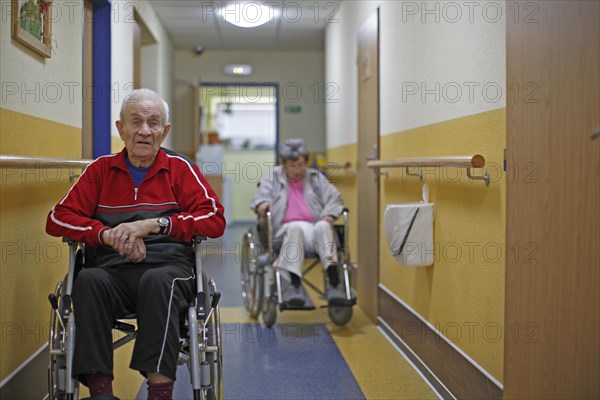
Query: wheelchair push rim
x,y
53,342
205,340
57,352
217,338
252,280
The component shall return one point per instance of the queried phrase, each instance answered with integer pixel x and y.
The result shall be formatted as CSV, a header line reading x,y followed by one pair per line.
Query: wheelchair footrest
x,y
341,303
308,305
285,306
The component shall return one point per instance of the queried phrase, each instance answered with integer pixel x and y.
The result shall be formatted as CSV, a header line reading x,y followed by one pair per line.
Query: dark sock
x,y
332,274
295,280
99,384
160,391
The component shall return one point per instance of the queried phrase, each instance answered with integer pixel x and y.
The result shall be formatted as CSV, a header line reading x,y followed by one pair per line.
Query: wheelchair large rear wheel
x,y
57,366
252,280
208,344
57,363
215,339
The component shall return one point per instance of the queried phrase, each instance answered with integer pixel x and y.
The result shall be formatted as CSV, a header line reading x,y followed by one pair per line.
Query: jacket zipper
x,y
135,190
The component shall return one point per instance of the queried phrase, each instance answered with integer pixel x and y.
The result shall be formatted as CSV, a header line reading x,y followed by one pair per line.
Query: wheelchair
x,y
261,283
200,333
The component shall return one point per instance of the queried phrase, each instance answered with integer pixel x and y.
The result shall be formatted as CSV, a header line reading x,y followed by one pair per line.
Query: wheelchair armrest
x,y
198,239
68,240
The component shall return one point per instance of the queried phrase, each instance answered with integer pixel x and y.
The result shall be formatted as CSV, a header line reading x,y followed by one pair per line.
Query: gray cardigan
x,y
322,197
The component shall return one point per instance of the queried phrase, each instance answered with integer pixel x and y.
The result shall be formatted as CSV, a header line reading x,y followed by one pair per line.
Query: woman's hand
x,y
329,219
262,209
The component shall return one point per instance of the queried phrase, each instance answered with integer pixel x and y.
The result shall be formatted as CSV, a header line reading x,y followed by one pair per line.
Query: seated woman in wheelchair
x,y
303,205
139,210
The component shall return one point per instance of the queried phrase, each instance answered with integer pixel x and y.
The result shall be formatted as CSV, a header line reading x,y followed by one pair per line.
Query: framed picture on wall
x,y
32,25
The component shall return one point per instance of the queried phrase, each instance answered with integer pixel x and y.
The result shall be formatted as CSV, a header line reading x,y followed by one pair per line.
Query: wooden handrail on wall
x,y
10,161
328,167
476,161
468,162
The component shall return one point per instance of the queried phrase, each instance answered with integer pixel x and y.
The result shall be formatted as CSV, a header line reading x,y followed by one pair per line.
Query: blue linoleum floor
x,y
288,361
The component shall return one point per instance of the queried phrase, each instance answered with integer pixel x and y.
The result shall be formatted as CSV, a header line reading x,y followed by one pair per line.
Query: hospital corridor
x,y
299,199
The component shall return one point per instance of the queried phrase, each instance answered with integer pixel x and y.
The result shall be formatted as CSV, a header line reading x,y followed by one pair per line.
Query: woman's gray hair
x,y
143,93
292,149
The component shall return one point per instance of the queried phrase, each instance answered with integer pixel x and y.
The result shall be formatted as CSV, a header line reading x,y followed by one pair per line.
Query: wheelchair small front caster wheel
x,y
210,395
340,315
270,314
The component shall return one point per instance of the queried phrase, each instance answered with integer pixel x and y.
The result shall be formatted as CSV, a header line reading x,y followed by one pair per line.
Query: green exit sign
x,y
295,109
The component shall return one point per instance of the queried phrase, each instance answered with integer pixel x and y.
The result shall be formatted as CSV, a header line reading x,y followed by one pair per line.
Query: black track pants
x,y
157,294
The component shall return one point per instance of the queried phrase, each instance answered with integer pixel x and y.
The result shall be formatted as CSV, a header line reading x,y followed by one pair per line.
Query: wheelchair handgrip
x,y
200,302
215,299
53,301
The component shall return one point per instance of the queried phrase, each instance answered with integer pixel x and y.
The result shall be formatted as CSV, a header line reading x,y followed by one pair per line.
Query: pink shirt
x,y
297,207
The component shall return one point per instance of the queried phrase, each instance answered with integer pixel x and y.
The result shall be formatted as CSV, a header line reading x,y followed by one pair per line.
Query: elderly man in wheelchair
x,y
138,213
300,206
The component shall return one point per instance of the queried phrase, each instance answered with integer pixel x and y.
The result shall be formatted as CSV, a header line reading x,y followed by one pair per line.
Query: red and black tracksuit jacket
x,y
105,196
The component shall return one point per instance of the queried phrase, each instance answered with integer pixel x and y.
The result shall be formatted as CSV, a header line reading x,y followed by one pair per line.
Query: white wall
x,y
163,61
452,50
121,63
157,61
48,88
341,70
299,74
440,61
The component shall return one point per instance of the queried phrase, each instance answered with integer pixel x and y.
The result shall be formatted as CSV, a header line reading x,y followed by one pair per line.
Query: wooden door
x,y
553,177
185,135
368,183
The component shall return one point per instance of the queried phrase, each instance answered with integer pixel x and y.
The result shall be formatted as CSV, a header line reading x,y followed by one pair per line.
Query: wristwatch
x,y
163,223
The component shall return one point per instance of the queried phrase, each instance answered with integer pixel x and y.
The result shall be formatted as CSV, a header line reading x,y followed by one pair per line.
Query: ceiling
x,y
300,25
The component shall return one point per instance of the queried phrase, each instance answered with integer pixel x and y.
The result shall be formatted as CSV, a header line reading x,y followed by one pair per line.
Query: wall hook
x,y
419,174
485,177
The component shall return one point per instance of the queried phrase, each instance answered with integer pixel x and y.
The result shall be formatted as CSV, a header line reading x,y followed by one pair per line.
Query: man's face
x,y
294,170
143,130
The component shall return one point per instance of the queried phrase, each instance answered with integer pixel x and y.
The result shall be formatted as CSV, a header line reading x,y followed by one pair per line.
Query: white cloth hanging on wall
x,y
408,228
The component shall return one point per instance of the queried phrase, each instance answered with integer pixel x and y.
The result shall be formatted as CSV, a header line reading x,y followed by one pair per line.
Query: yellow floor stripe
x,y
380,370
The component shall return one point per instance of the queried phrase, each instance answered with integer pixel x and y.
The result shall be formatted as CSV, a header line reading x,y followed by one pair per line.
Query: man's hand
x,y
128,238
136,252
263,208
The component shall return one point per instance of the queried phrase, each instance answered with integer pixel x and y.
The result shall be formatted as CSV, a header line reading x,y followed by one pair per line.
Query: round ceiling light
x,y
248,14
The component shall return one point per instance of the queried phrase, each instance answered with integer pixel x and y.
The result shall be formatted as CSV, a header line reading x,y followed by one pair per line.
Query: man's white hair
x,y
144,93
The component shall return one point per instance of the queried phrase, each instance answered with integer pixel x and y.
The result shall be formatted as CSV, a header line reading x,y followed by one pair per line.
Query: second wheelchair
x,y
262,284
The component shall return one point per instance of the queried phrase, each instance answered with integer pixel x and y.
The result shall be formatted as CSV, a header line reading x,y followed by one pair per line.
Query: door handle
x,y
595,134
